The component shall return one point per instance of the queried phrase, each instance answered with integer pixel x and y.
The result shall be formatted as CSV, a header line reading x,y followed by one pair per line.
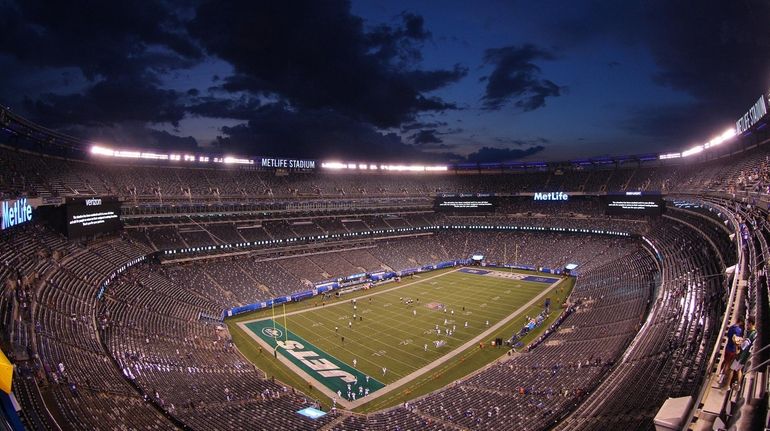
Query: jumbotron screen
x,y
91,216
465,203
634,203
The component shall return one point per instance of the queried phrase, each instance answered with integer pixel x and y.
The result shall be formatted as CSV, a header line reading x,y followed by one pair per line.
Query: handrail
x,y
731,303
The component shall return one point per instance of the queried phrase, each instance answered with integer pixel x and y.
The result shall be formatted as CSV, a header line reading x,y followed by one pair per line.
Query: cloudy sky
x,y
387,79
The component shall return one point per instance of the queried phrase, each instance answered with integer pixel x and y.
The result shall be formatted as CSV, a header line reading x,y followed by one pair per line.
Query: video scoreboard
x,y
90,216
465,203
634,203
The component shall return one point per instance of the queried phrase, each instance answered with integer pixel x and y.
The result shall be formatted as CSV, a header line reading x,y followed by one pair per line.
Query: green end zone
x,y
342,379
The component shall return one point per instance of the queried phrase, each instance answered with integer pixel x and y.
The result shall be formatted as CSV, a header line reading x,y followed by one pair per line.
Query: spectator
x,y
735,331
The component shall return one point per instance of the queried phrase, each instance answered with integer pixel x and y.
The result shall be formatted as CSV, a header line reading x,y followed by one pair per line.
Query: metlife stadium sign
x,y
752,117
287,163
551,196
15,213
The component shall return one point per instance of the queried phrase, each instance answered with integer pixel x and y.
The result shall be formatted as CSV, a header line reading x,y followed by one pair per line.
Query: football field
x,y
358,348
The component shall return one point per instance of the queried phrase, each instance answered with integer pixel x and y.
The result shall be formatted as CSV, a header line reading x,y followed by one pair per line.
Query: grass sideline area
x,y
390,333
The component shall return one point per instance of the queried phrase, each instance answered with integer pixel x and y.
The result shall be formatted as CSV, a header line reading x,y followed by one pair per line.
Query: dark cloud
x,y
275,129
132,134
718,53
490,154
325,134
517,78
109,102
521,142
318,56
103,39
164,139
414,26
110,56
422,125
429,80
426,137
212,107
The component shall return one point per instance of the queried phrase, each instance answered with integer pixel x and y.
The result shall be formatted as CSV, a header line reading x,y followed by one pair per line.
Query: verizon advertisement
x,y
92,216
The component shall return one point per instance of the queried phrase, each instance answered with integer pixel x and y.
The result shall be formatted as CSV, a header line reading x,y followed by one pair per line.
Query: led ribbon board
x,y
551,196
16,212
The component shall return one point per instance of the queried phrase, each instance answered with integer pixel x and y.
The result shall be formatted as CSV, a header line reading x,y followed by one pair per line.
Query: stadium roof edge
x,y
46,139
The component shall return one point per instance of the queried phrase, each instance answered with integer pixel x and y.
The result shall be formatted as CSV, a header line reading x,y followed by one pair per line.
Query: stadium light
x,y
153,156
127,154
102,151
670,156
234,160
694,150
333,165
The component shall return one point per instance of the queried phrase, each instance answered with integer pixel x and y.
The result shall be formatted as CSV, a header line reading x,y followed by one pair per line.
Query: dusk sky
x,y
387,79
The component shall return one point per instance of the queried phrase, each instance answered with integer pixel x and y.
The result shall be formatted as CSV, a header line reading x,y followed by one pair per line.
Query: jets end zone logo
x,y
272,332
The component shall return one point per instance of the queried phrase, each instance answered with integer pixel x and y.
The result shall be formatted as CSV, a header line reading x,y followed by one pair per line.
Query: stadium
x,y
191,287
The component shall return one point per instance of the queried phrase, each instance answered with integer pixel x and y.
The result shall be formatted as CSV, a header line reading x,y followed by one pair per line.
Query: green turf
x,y
391,336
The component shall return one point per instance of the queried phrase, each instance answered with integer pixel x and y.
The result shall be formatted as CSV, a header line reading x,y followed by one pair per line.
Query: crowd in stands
x,y
145,354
